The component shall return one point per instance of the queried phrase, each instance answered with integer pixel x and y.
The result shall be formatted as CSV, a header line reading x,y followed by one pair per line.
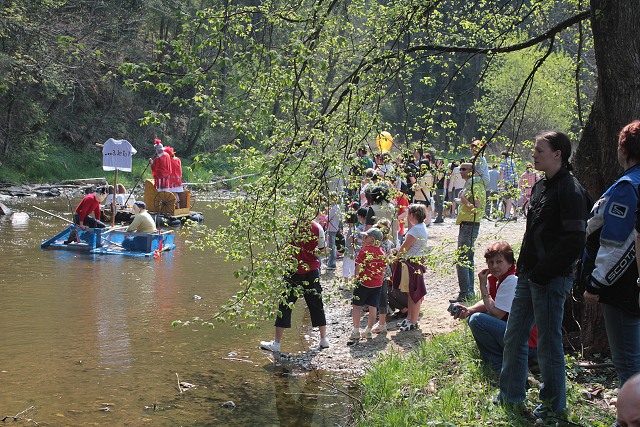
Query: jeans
x,y
488,332
466,241
544,306
331,263
623,332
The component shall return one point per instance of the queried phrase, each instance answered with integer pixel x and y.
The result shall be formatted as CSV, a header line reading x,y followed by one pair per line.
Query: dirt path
x,y
350,361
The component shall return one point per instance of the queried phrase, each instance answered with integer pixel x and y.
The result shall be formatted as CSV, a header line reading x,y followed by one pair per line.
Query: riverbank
x,y
351,361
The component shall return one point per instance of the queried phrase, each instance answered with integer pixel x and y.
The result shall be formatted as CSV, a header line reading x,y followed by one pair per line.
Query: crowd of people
x,y
518,314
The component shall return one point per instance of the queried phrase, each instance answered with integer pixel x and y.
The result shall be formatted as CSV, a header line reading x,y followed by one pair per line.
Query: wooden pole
x,y
113,199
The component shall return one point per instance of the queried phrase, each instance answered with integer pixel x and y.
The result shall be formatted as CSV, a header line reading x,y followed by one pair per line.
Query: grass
x,y
444,383
59,164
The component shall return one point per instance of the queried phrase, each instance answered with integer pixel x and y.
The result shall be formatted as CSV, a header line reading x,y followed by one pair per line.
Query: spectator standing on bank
x,y
614,280
456,183
480,164
470,213
510,183
527,179
553,240
492,191
308,238
439,176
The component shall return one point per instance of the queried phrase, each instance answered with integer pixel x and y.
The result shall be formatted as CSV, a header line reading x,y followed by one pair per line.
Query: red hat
x,y
157,141
169,150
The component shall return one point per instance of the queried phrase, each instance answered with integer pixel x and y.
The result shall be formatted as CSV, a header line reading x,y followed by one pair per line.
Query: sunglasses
x,y
464,169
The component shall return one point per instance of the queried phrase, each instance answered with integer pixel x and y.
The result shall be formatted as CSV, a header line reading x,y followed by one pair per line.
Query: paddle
x,y
52,214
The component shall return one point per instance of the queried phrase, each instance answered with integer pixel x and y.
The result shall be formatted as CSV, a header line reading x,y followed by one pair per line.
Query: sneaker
x,y
329,268
367,334
354,337
439,220
409,326
270,346
401,323
324,343
459,298
379,328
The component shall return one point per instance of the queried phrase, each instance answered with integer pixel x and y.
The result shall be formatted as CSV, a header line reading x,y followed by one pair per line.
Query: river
x,y
87,339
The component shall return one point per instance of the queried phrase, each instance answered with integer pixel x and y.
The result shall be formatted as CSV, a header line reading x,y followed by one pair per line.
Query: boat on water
x,y
113,241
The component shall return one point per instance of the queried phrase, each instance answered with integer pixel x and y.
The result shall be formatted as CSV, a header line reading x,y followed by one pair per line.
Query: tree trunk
x,y
616,25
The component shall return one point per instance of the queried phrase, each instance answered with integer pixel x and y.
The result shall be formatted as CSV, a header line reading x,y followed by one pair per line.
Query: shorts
x,y
366,296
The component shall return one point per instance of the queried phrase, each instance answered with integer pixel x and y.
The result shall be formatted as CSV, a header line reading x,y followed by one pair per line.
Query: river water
x,y
87,339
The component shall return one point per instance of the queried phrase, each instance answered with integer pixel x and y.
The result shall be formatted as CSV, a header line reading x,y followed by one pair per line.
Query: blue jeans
x,y
331,263
544,306
466,241
623,332
488,332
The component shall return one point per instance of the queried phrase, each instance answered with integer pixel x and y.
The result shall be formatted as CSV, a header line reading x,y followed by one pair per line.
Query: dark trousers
x,y
307,285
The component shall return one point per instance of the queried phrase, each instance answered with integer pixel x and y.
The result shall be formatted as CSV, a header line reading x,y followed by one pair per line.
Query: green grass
x,y
444,383
59,164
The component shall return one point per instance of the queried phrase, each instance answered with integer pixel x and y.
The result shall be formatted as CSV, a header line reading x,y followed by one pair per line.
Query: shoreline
x,y
350,361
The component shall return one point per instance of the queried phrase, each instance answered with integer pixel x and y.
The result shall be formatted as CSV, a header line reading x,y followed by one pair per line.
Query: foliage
x,y
444,383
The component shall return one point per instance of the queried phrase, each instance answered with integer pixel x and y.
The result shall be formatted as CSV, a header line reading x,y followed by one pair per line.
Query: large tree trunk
x,y
616,30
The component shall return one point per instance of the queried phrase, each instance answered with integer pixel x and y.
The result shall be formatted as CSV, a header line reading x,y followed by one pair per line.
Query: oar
x,y
136,184
52,214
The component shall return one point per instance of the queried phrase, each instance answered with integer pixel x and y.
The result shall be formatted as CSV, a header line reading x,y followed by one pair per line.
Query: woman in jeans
x,y
614,279
553,240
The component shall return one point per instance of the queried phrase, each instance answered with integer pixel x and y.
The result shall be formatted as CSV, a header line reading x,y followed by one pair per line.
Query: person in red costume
x,y
90,203
160,167
175,180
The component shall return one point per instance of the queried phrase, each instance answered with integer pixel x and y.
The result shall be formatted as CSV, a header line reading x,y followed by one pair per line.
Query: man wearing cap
x,y
90,203
472,201
161,167
142,221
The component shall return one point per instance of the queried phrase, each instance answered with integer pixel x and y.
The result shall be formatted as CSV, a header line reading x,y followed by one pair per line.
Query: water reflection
x,y
296,397
81,330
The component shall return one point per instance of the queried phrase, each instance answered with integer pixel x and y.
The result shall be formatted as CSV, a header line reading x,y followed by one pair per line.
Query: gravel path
x,y
350,361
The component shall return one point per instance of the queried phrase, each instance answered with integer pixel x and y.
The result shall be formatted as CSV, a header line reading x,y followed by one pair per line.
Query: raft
x,y
113,241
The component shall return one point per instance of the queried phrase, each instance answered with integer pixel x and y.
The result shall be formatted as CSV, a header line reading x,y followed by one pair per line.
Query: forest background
x,y
285,91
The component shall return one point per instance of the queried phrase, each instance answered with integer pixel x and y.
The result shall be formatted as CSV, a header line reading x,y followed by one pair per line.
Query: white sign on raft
x,y
116,154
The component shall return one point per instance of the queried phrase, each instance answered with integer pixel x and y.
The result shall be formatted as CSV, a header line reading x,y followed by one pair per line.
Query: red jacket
x,y
88,204
161,170
176,172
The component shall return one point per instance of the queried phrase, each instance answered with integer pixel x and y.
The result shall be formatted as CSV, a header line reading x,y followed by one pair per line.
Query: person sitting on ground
x,y
142,221
370,267
488,317
90,203
628,404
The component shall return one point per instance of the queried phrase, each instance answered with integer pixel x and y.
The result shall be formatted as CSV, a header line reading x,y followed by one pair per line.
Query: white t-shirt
x,y
419,247
116,154
506,292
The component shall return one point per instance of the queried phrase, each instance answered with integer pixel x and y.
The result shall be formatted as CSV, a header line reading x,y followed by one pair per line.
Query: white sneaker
x,y
324,343
401,323
270,346
378,328
367,333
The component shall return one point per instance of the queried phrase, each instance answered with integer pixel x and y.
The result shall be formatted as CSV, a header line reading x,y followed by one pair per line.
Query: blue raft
x,y
113,241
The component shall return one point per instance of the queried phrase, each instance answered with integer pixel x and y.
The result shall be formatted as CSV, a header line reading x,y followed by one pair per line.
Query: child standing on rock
x,y
370,267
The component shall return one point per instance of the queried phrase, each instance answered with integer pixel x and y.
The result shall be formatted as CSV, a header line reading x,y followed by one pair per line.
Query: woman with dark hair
x,y
614,280
553,240
488,317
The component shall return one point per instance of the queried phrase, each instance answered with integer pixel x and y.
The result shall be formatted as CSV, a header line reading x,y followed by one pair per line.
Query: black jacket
x,y
556,224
